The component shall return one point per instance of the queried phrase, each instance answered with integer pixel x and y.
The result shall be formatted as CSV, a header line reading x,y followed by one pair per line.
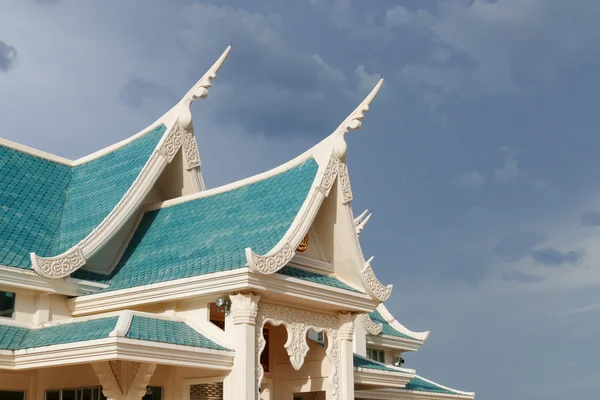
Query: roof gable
x,y
209,234
49,207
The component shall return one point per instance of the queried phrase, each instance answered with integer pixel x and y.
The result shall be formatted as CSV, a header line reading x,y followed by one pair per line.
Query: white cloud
x,y
510,171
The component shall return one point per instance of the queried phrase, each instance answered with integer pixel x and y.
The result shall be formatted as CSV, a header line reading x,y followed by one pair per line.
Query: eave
x,y
117,348
393,343
29,280
403,394
212,285
371,377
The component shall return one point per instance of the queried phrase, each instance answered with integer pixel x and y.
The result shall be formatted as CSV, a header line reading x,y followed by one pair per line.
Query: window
x,y
77,394
377,355
153,393
7,304
8,395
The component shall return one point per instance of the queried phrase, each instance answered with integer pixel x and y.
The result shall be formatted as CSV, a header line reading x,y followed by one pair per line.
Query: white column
x,y
346,363
360,338
240,327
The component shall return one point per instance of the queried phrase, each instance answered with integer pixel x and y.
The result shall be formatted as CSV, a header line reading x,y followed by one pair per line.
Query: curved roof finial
x,y
354,120
200,89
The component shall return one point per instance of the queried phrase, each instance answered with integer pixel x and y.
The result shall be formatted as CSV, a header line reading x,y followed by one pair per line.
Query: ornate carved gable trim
x,y
372,284
284,251
370,326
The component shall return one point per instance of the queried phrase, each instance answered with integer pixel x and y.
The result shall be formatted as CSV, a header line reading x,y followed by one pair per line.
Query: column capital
x,y
346,326
244,308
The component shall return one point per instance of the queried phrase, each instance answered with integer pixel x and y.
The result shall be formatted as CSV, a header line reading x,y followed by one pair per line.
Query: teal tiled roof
x,y
15,338
421,385
210,234
165,331
47,207
365,363
141,328
315,277
387,328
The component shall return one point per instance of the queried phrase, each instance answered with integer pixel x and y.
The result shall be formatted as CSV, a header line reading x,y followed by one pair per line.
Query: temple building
x,y
123,277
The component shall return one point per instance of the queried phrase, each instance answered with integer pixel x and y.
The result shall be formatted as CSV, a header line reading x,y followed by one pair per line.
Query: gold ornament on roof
x,y
303,244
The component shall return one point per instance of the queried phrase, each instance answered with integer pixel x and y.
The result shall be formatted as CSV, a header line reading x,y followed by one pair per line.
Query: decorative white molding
x,y
344,182
346,326
30,280
389,342
171,143
297,322
370,326
372,284
59,266
244,308
123,324
190,150
389,318
329,175
354,120
361,221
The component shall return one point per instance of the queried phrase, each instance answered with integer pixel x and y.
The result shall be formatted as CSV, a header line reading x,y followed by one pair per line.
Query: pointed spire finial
x,y
361,225
200,89
354,120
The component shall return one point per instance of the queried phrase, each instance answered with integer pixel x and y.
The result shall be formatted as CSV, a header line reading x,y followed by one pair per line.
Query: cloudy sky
x,y
480,157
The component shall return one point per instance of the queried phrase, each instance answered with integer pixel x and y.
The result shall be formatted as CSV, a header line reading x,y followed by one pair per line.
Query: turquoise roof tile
x,y
210,234
15,338
315,277
365,363
165,331
421,385
47,207
387,328
142,328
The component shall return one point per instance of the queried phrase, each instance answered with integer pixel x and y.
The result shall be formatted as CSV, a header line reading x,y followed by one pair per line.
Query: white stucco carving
x,y
354,120
361,221
297,323
58,267
372,284
344,182
244,308
370,325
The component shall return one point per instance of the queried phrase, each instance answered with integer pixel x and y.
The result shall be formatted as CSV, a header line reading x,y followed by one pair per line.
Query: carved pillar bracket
x,y
297,322
346,329
244,308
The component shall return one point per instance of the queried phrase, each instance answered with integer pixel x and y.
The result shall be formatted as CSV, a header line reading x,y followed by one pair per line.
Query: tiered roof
x,y
48,206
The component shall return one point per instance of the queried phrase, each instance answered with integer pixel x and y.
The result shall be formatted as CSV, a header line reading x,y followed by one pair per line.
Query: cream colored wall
x,y
17,381
286,380
25,306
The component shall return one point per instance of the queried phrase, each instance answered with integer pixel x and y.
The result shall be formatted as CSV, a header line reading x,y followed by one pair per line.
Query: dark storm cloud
x,y
556,258
8,56
517,245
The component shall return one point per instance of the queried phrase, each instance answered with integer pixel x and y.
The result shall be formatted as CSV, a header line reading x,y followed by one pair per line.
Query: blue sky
x,y
479,158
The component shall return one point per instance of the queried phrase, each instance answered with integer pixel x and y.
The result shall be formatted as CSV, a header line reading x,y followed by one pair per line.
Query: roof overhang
x,y
116,348
378,378
28,279
393,343
294,290
403,394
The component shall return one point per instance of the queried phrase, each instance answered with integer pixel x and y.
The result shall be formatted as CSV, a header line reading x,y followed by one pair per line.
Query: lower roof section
x,y
137,335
